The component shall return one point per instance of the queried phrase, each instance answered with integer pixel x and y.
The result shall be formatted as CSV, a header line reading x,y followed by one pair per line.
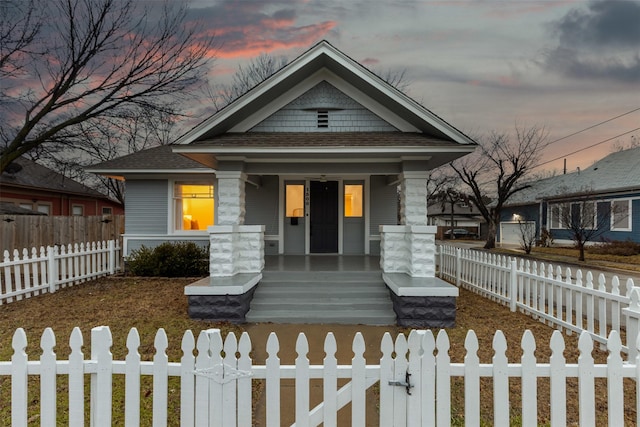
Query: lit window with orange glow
x,y
353,200
193,206
294,201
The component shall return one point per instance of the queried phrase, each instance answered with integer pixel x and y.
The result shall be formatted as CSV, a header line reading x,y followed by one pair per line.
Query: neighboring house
x,y
32,187
307,162
465,216
613,184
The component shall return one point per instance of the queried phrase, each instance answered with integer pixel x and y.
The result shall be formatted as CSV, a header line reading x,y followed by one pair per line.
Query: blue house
x,y
612,184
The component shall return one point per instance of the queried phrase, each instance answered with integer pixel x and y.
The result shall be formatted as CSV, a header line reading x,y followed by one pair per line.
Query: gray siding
x,y
146,206
262,204
384,204
345,114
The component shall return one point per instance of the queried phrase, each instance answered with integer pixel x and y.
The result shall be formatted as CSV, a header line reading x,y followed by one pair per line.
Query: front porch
x,y
324,289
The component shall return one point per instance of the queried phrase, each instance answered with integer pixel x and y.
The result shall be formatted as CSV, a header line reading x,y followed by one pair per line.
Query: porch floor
x,y
322,289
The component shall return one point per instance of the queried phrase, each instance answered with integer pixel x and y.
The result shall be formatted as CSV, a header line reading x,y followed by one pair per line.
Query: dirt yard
x,y
149,304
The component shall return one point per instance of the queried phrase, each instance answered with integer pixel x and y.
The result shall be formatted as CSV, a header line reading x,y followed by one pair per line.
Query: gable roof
x,y
229,134
27,174
618,172
324,62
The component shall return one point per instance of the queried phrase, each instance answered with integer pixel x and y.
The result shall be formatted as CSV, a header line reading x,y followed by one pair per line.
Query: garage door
x,y
510,231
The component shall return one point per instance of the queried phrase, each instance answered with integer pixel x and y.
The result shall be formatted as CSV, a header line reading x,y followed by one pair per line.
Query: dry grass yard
x,y
149,304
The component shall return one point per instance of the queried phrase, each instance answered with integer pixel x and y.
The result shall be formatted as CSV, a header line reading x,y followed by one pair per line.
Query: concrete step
x,y
321,291
322,297
352,317
309,276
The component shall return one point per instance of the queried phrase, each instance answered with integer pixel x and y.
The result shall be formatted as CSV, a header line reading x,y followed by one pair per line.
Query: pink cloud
x,y
370,61
256,40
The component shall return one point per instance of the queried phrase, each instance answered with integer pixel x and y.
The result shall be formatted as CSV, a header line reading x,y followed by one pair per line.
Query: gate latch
x,y
406,383
222,373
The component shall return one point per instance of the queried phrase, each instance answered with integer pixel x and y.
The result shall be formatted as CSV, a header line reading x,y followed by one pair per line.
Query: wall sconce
x,y
517,217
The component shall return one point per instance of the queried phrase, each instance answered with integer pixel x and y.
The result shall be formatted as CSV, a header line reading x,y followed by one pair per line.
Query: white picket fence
x,y
53,267
216,384
552,295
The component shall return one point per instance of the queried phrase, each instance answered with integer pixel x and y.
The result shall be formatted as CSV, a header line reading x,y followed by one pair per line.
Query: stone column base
x,y
424,311
220,308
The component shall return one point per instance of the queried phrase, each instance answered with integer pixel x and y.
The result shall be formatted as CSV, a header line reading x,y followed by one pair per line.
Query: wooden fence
x,y
47,270
33,231
215,386
552,295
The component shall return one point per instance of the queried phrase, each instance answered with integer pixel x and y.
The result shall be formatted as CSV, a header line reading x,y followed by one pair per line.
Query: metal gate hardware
x,y
222,373
406,383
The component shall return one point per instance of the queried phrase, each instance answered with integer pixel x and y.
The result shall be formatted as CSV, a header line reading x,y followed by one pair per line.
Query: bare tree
x,y
586,219
527,231
498,169
20,24
104,139
449,197
104,60
245,78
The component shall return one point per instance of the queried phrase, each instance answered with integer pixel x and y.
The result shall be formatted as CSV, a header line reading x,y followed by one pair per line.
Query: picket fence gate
x,y
414,377
549,294
55,267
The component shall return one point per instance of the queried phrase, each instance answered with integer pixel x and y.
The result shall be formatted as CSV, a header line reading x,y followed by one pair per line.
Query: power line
x,y
593,126
590,146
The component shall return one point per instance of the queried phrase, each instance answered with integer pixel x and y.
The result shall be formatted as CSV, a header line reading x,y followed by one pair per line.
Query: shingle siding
x,y
345,114
146,206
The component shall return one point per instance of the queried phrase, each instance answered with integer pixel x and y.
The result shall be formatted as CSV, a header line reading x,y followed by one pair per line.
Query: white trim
x,y
149,171
171,214
629,214
335,150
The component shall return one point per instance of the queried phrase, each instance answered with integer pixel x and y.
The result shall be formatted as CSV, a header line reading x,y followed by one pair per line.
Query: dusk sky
x,y
480,65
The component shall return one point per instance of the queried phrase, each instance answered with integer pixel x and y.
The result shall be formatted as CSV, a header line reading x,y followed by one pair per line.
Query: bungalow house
x,y
28,187
612,184
308,162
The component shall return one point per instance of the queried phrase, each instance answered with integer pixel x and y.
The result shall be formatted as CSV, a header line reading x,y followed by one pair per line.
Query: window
x,y
107,211
588,219
77,210
621,215
557,215
294,200
45,209
193,205
353,200
26,206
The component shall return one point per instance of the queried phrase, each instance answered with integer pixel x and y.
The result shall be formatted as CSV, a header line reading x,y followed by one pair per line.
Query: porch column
x,y
407,259
413,198
231,197
234,248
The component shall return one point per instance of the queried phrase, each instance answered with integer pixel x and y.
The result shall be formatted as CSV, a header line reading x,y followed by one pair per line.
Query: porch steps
x,y
341,297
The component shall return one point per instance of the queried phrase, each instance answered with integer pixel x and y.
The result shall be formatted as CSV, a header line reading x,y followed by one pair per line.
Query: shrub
x,y
179,259
626,248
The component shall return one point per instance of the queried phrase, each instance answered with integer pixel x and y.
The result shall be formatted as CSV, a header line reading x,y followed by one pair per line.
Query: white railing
x,y
53,267
552,295
215,387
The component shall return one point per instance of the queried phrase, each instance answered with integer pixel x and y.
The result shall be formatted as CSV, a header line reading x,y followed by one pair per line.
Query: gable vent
x,y
323,118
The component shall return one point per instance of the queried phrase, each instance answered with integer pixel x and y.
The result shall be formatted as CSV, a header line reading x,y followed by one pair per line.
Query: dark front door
x,y
324,217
